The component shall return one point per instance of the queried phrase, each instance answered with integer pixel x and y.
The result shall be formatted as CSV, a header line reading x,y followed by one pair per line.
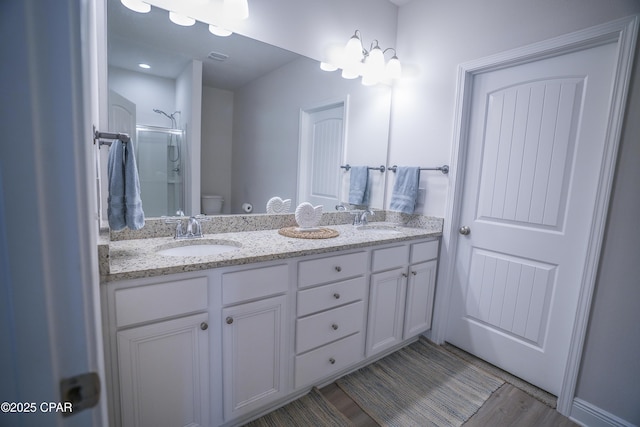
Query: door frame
x,y
624,33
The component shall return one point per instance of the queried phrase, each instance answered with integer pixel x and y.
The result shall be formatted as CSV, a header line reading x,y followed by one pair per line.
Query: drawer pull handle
x,y
334,327
204,326
336,295
338,268
229,320
332,361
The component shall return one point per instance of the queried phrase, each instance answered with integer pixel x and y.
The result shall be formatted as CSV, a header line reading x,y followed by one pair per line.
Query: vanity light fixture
x,y
356,61
232,11
182,20
137,5
219,31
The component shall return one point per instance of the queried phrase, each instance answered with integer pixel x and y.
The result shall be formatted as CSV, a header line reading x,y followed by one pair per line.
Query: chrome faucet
x,y
363,218
360,217
194,228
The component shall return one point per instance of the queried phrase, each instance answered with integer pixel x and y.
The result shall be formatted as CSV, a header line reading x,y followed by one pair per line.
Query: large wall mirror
x,y
265,119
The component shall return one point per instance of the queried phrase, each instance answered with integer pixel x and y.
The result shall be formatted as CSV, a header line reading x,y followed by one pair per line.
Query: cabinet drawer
x,y
244,285
384,259
424,251
330,269
319,329
323,362
162,300
329,296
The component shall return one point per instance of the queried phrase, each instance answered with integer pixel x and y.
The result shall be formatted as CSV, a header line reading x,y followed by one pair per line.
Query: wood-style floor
x,y
507,406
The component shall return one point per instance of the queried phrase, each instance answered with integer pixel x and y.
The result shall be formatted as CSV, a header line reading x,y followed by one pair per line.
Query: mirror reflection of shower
x,y
161,166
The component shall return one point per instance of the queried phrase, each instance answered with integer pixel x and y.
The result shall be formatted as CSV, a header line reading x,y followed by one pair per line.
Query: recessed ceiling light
x,y
145,66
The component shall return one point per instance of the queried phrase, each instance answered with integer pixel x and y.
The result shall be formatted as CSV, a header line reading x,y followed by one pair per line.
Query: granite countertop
x,y
137,258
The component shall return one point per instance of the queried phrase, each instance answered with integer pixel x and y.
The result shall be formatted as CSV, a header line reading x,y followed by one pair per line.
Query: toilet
x,y
211,204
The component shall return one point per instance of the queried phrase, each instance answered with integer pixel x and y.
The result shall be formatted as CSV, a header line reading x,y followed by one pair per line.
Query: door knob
x,y
464,230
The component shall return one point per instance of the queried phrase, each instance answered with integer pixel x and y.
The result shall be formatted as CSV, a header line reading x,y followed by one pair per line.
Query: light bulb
x,y
178,19
373,67
349,73
326,66
353,49
394,69
236,9
136,5
219,31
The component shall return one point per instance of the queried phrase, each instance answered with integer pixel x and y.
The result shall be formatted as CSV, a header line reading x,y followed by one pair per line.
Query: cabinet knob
x,y
404,274
204,326
338,268
229,320
414,272
332,361
336,295
334,327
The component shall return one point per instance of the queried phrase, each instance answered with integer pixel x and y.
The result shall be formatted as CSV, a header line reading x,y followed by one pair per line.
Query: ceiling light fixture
x,y
145,66
356,61
136,5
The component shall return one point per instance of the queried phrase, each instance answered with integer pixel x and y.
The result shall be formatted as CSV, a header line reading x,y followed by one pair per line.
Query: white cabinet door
x,y
420,292
254,357
386,310
164,373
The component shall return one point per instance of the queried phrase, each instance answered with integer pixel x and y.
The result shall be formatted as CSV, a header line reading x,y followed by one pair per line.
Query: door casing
x,y
623,32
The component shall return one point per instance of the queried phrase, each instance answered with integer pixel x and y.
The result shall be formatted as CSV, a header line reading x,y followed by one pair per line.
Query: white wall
x,y
266,130
217,134
189,102
147,92
435,37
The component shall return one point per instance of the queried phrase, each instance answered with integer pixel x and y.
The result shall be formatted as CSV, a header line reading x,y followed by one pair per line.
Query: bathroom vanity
x,y
220,339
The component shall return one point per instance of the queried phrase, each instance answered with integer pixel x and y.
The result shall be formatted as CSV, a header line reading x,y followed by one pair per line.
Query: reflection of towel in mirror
x,y
124,207
359,185
405,189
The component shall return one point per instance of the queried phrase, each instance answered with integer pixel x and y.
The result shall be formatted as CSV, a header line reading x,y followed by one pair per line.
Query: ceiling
x,y
151,38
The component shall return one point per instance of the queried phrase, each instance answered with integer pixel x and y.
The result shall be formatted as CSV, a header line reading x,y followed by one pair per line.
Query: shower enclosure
x,y
160,158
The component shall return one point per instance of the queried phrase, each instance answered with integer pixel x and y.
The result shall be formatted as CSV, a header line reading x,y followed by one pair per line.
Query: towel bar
x,y
109,137
444,169
380,168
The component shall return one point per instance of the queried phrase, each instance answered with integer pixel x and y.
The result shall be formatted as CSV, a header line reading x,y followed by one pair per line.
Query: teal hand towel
x,y
359,185
115,176
405,189
124,205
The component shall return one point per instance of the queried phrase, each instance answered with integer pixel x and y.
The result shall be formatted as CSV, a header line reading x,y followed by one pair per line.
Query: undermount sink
x,y
379,228
198,248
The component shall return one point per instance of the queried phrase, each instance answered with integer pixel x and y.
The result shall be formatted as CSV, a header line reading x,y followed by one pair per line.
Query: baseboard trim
x,y
586,414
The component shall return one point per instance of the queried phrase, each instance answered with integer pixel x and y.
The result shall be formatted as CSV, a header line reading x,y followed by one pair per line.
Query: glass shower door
x,y
160,159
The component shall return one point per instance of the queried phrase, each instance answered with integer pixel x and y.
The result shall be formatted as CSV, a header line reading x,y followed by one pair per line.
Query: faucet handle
x,y
171,219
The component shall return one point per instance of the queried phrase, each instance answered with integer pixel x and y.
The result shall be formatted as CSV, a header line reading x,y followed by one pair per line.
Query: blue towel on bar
x,y
405,189
359,185
124,206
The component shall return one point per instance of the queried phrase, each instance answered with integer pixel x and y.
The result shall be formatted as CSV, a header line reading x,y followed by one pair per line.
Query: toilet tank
x,y
211,204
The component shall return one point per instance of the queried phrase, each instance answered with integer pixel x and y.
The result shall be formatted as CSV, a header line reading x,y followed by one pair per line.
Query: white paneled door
x,y
535,149
322,153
